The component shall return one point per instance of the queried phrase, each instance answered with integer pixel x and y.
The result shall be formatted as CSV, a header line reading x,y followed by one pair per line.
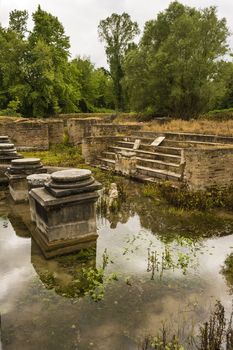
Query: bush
x,y
218,114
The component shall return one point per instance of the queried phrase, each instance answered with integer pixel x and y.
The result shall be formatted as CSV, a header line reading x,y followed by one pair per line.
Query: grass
x,y
183,198
212,127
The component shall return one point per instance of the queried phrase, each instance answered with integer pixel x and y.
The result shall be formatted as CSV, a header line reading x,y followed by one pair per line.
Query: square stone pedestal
x,y
126,163
65,212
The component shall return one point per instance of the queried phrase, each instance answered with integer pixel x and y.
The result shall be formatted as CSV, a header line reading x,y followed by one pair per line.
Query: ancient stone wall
x,y
78,129
114,129
26,134
56,131
92,147
208,167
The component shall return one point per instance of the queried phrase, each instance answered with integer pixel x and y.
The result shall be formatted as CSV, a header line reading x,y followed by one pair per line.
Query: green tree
x,y
174,71
94,85
48,65
118,32
18,22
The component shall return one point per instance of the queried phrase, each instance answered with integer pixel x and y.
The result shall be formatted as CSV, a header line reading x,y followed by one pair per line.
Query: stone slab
x,y
47,200
158,141
26,161
59,193
71,175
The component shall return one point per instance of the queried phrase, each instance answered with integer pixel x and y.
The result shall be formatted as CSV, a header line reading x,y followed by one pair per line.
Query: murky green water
x,y
160,265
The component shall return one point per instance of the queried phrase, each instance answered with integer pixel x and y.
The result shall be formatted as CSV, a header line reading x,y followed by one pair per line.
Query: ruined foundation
x,y
65,212
7,154
17,175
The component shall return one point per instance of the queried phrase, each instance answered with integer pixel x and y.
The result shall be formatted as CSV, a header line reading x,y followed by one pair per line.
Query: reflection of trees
x,y
227,271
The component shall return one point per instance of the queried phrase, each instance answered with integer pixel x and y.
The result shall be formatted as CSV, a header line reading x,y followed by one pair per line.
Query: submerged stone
x,y
65,212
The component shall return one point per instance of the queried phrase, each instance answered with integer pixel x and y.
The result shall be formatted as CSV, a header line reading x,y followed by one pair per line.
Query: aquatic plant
x,y
182,197
161,342
215,334
159,262
227,271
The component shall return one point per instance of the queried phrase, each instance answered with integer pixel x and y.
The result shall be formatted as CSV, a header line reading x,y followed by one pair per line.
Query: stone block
x,y
65,212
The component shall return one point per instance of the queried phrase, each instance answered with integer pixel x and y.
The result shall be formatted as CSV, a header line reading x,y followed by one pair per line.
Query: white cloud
x,y
81,17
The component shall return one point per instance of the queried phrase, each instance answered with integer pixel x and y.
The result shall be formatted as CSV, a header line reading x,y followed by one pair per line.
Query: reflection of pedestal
x,y
65,212
126,162
17,174
7,154
65,276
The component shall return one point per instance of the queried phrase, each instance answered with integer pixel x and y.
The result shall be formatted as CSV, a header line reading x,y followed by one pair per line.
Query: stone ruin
x,y
65,213
17,176
7,154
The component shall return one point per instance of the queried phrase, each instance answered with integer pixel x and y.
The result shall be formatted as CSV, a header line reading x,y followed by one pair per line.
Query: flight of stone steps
x,y
161,162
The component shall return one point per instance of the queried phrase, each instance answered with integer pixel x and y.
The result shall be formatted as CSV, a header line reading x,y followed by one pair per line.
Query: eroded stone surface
x,y
36,180
25,161
71,175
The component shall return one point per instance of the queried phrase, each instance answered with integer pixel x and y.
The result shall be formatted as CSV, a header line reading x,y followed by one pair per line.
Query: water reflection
x,y
67,275
51,304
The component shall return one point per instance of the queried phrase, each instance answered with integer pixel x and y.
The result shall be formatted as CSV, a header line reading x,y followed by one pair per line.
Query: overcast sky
x,y
81,17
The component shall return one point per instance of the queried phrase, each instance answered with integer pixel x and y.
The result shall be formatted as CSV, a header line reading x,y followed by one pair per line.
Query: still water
x,y
155,266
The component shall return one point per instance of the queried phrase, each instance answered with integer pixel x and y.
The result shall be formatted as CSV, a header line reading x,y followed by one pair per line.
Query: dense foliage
x,y
177,67
181,66
36,77
117,31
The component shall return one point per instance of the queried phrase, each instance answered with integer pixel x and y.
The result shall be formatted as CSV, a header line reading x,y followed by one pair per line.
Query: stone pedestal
x,y
4,139
126,163
65,212
17,175
7,154
35,181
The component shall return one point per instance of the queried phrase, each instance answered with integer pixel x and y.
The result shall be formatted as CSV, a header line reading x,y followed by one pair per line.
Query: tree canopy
x,y
36,76
176,66
180,67
118,32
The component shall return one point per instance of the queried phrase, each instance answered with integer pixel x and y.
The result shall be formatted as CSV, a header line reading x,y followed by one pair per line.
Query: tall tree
x,y
18,22
47,66
118,32
175,67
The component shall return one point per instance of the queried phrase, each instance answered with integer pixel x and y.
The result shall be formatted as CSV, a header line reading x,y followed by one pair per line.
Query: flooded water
x,y
153,265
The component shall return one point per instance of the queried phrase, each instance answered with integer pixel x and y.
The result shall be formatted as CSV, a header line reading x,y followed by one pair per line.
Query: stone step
x,y
152,155
162,149
188,143
184,136
106,162
127,144
149,147
158,164
158,173
109,155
